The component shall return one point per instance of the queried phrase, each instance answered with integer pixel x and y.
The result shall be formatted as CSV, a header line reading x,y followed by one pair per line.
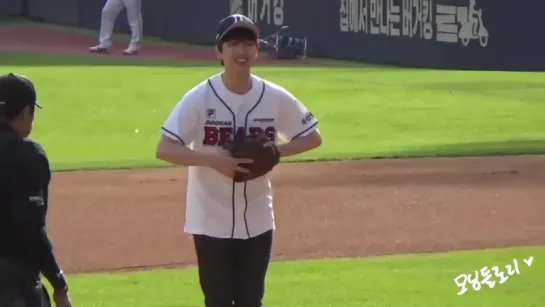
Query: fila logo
x,y
211,113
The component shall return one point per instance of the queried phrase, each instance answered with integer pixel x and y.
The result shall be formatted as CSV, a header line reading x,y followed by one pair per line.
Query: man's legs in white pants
x,y
134,17
110,11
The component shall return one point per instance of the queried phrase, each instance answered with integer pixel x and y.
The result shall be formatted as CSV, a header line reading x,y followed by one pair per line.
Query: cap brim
x,y
241,25
38,105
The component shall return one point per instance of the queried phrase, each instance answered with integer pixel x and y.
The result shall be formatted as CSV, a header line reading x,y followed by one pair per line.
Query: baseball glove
x,y
252,147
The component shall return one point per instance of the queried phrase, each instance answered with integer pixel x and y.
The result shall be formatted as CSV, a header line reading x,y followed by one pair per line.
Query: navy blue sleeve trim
x,y
304,131
173,134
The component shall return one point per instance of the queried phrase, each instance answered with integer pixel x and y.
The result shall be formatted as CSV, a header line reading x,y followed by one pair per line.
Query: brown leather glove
x,y
253,147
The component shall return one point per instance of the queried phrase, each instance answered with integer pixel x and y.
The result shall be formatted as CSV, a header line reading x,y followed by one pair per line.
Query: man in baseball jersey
x,y
110,12
232,222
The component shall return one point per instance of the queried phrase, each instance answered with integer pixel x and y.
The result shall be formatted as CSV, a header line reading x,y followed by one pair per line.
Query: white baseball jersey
x,y
203,120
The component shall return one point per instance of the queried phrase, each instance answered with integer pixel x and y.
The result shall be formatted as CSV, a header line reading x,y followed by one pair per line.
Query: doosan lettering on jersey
x,y
204,119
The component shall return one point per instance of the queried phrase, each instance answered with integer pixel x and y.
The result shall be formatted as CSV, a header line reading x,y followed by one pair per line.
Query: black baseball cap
x,y
16,92
235,21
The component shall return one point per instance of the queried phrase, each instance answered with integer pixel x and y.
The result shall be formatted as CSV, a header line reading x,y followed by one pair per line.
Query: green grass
x,y
94,105
397,281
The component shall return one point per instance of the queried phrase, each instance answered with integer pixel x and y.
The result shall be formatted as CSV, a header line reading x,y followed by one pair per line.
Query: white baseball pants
x,y
111,11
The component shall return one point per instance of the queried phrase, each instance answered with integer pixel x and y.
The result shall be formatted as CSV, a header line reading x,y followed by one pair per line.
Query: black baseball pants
x,y
232,271
20,286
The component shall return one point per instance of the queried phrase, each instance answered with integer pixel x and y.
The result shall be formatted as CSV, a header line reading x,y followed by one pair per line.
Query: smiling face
x,y
238,49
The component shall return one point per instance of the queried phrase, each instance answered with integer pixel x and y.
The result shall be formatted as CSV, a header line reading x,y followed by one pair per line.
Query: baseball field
x,y
423,176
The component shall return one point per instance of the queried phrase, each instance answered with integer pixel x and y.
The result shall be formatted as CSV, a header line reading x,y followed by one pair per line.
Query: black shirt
x,y
24,183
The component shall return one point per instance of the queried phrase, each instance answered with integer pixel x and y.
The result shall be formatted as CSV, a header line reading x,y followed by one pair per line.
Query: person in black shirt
x,y
25,248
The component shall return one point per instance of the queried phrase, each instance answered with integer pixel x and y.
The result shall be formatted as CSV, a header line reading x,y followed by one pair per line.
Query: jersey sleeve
x,y
29,198
295,119
181,123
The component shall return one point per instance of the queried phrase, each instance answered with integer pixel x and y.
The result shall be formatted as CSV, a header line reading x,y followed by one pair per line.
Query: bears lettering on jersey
x,y
217,136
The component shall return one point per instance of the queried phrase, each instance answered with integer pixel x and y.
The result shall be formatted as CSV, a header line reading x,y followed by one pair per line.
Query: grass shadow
x,y
527,90
30,58
471,149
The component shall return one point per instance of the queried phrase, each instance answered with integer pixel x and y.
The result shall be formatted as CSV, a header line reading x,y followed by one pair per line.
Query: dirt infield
x,y
107,220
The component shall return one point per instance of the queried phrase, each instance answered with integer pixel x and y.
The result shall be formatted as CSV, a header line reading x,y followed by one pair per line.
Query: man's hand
x,y
62,299
228,165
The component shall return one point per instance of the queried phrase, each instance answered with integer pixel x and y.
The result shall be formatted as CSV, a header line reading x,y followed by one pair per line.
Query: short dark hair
x,y
16,92
237,34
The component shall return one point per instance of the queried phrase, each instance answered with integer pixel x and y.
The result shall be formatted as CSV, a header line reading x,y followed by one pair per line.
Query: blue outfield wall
x,y
12,7
58,11
423,33
462,34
